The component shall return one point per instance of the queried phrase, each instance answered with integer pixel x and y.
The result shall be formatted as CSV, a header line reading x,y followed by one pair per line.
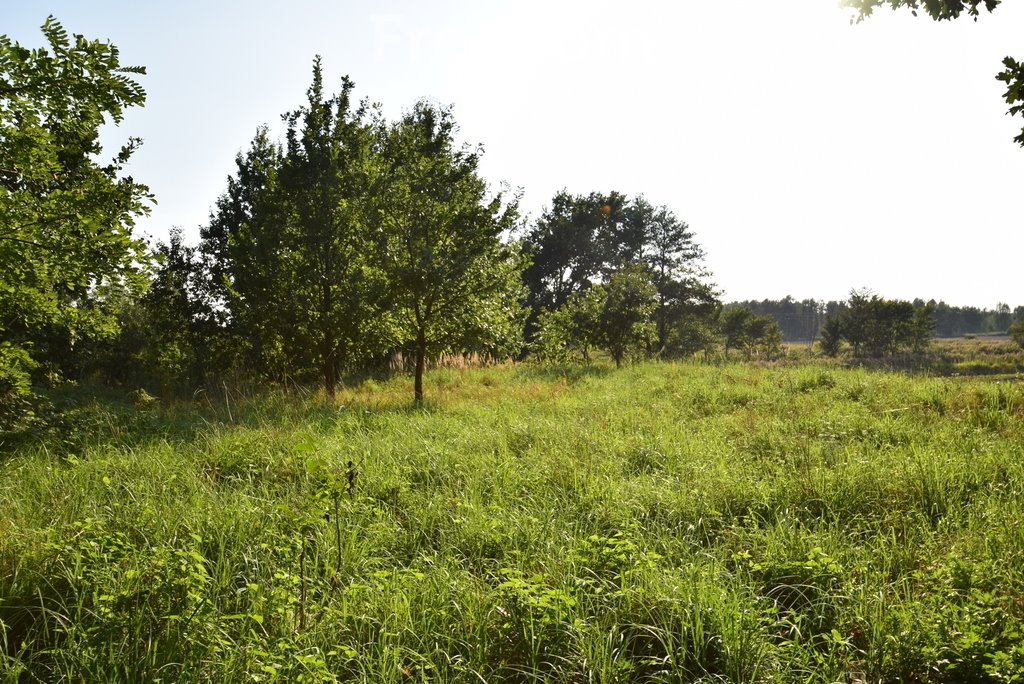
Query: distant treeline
x,y
801,321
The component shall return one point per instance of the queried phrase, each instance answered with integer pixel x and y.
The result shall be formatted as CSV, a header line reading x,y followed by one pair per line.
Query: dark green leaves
x,y
1013,77
937,9
66,243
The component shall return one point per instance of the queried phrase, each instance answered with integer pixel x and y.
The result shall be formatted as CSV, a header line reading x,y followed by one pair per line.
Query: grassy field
x,y
743,523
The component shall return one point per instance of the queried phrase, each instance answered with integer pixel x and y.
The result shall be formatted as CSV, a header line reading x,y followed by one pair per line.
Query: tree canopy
x,y
581,240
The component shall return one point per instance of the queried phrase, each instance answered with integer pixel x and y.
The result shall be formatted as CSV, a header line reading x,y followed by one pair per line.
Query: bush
x,y
15,386
831,337
1017,332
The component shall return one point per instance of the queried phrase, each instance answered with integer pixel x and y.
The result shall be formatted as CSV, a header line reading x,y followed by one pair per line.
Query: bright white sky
x,y
810,156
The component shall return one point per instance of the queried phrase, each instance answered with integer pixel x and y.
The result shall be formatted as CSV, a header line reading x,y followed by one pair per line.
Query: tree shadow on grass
x,y
571,374
78,418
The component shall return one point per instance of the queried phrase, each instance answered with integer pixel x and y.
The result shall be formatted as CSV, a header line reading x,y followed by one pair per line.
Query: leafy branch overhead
x,y
938,9
1012,75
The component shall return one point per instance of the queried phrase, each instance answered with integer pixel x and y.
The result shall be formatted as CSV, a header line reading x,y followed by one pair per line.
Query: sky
x,y
809,155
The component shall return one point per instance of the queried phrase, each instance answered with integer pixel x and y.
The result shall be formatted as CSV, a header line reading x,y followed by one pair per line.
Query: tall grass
x,y
659,523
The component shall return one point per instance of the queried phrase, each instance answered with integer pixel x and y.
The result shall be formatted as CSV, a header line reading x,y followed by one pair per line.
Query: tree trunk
x,y
662,322
330,375
327,341
421,359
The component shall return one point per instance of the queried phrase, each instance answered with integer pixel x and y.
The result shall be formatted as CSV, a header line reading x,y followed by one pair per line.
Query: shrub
x,y
1017,332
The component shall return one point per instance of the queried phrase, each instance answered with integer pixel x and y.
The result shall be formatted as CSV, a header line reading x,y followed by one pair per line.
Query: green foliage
x,y
880,326
937,9
168,339
66,248
735,324
1017,332
922,328
571,328
831,336
615,317
691,333
757,336
325,181
453,280
360,238
249,274
289,245
764,338
624,325
583,239
1013,77
15,386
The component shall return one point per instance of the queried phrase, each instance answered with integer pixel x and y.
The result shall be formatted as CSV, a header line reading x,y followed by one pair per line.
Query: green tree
x,y
625,324
456,284
249,270
66,243
573,244
1002,317
289,247
1017,332
756,335
763,337
167,337
831,336
856,319
583,239
692,333
666,245
325,179
735,327
573,327
922,328
882,326
1013,71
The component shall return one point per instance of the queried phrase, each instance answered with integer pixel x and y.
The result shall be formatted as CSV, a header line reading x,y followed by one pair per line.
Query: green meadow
x,y
800,522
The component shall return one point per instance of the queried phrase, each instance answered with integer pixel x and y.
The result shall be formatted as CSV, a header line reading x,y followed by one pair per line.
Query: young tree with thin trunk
x,y
455,282
625,322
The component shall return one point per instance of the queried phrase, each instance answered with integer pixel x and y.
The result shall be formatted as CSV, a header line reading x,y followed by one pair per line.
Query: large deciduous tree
x,y
581,240
1013,71
666,246
454,280
66,218
572,243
